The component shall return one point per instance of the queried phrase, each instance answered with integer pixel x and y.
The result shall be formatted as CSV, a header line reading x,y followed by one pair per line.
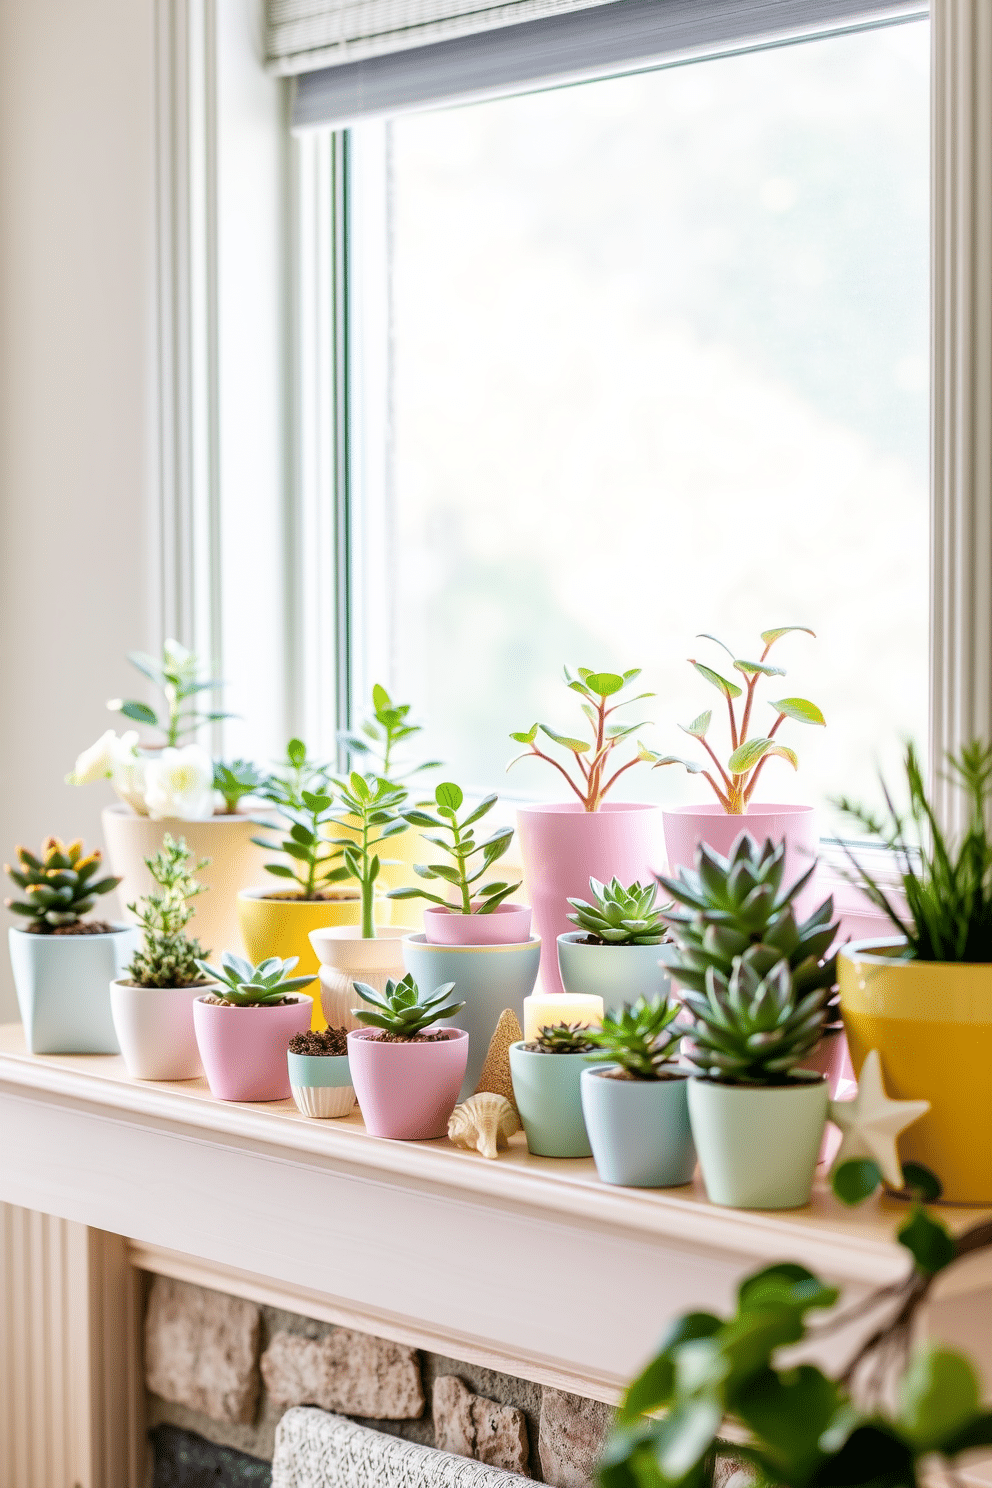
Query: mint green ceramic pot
x,y
617,973
546,1090
638,1129
63,988
321,1084
758,1145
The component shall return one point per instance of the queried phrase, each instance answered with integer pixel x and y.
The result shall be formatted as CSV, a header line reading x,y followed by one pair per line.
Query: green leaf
x,y
788,1413
801,709
296,752
578,745
729,689
603,684
929,1243
699,726
138,712
527,738
938,1394
484,807
747,755
449,796
771,636
653,1386
921,1183
759,668
280,870
855,1180
657,760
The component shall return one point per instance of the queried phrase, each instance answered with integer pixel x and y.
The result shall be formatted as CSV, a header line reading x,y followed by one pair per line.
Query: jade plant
x,y
562,1038
236,780
620,916
168,957
373,805
752,1028
302,795
59,886
177,674
734,782
263,985
403,1012
381,739
640,1039
470,896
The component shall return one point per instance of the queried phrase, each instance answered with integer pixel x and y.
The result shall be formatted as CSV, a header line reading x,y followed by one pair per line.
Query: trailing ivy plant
x,y
461,846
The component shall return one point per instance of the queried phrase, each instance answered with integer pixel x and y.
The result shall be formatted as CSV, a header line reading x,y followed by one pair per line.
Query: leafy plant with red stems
x,y
734,784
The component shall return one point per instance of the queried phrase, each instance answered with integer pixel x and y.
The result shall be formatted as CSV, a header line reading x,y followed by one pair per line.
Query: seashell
x,y
485,1121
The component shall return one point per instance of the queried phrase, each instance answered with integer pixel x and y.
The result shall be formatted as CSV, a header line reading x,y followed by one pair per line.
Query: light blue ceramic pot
x,y
63,988
546,1090
321,1084
488,979
758,1145
618,974
638,1129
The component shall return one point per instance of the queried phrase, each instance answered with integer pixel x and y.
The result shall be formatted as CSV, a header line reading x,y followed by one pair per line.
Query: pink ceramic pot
x,y
507,924
243,1049
407,1091
687,826
563,847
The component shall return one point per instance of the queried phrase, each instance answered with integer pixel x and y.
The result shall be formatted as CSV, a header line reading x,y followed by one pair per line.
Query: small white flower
x,y
180,782
95,763
128,772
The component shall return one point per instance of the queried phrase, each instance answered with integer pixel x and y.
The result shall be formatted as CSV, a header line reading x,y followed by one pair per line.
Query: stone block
x,y
571,1437
351,1373
472,1426
201,1350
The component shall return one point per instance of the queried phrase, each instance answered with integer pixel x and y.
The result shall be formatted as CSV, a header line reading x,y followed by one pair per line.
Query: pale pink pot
x,y
507,924
407,1090
563,847
243,1049
687,826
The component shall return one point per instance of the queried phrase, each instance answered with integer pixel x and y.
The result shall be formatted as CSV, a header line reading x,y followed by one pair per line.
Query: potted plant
x,y
243,1029
734,780
923,998
566,843
312,891
349,952
621,945
166,778
152,1000
545,1074
406,1078
63,963
757,1116
737,903
634,1103
319,1072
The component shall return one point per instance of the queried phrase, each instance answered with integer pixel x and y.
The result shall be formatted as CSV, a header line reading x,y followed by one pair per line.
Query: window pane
x,y
659,367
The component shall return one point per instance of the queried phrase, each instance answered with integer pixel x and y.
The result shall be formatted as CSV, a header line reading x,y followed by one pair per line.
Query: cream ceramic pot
x,y
154,1027
346,958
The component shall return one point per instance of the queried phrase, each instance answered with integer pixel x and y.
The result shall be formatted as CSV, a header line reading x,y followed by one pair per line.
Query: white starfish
x,y
871,1122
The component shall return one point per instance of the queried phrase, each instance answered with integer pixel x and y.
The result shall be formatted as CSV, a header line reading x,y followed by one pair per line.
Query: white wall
x,y
77,438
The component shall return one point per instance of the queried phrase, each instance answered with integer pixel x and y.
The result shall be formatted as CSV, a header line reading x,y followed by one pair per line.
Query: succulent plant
x,y
640,1039
59,884
255,986
462,846
736,905
403,1010
239,778
563,1038
620,916
753,1028
168,957
382,735
373,805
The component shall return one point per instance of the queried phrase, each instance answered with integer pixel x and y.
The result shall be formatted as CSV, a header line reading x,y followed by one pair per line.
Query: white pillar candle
x,y
544,1009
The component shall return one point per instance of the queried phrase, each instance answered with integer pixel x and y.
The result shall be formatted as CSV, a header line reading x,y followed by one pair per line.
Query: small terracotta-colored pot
x,y
507,924
407,1090
244,1048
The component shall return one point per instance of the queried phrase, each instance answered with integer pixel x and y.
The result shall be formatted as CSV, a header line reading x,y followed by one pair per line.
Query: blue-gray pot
x,y
63,988
488,979
617,973
546,1090
638,1129
321,1084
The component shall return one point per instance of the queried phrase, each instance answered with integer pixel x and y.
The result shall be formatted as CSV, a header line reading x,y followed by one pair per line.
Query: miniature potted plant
x,y
349,952
621,944
634,1103
312,891
243,1029
737,903
757,1116
566,843
406,1078
152,1000
545,1074
734,780
167,777
319,1072
63,963
923,997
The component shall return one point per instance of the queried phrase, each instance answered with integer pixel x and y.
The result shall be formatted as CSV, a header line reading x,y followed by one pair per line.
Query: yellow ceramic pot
x,y
931,1022
275,924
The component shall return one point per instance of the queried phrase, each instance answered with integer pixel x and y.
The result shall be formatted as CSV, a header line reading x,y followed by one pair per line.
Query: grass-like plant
x,y
461,846
403,1011
620,916
373,805
734,783
947,885
641,1039
302,795
168,956
177,673
59,885
381,740
255,986
751,1028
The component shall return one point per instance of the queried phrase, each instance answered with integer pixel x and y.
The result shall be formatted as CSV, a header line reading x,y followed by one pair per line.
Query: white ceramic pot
x,y
62,984
235,863
346,958
154,1027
